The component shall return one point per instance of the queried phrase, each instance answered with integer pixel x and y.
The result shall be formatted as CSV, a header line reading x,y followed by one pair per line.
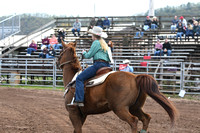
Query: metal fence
x,y
171,76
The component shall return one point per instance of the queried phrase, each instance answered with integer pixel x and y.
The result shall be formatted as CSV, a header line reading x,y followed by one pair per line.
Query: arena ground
x,y
43,111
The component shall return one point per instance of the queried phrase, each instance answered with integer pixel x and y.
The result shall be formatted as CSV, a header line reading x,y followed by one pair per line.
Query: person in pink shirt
x,y
158,48
53,41
32,48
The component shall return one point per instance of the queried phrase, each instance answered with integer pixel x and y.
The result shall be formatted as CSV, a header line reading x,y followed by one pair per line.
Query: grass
x,y
35,87
189,97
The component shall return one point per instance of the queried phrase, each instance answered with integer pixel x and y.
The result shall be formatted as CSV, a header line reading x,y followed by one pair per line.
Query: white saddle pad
x,y
98,80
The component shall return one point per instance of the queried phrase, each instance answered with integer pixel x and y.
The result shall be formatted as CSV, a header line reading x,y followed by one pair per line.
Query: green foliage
x,y
35,87
30,22
189,9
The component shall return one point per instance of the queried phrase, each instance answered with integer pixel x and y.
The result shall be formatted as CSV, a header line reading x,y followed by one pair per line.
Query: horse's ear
x,y
74,44
63,44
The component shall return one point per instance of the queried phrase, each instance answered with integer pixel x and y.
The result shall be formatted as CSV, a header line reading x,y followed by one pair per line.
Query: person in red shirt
x,y
32,48
53,41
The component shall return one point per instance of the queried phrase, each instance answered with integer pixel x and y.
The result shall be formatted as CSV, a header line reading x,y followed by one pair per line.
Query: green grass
x,y
189,97
34,87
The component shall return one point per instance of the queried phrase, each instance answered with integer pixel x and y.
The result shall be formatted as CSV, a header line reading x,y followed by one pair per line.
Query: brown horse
x,y
122,92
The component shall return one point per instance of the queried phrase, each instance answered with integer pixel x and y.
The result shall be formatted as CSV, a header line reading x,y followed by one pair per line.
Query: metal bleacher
x,y
9,26
135,50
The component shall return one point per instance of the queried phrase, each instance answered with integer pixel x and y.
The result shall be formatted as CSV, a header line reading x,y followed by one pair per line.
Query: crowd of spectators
x,y
180,26
185,28
150,23
164,49
48,46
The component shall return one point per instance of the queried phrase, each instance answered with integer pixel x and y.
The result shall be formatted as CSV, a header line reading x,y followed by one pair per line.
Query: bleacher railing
x,y
118,21
172,77
9,26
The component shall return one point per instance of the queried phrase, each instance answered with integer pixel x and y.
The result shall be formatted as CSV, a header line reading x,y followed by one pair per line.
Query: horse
x,y
124,93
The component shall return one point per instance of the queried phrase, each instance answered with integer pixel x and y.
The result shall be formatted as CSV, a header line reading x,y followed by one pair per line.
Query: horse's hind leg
x,y
124,114
145,118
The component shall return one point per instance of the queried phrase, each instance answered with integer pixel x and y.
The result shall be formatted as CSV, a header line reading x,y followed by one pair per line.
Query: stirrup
x,y
72,102
75,103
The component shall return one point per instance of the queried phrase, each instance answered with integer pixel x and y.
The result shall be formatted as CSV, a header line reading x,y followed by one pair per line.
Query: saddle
x,y
99,78
103,70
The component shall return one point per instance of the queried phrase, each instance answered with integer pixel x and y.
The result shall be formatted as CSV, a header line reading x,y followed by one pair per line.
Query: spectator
x,y
158,48
147,23
174,24
189,31
154,23
92,23
184,22
53,41
126,67
61,36
99,23
139,34
44,53
111,45
106,23
180,31
166,49
32,48
45,41
76,27
191,21
196,29
51,53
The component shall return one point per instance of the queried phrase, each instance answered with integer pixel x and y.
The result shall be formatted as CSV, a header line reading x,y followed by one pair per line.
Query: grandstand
x,y
182,67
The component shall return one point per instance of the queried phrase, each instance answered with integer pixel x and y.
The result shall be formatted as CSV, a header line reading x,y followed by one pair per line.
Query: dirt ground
x,y
43,111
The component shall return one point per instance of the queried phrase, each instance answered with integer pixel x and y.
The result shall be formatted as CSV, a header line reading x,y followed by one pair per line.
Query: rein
x,y
67,62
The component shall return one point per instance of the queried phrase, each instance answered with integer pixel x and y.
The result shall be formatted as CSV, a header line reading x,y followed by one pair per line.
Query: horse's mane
x,y
75,64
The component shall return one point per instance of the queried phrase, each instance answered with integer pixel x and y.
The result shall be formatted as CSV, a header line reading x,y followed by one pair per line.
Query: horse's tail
x,y
148,85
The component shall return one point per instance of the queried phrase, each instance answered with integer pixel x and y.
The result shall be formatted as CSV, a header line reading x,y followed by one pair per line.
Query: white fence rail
x,y
171,76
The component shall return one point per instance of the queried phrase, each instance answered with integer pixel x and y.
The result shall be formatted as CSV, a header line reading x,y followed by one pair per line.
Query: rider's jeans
x,y
86,74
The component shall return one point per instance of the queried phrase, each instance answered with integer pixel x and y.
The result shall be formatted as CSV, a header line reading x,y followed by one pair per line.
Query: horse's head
x,y
68,56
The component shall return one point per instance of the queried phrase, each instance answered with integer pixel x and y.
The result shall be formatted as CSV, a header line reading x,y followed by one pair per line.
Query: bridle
x,y
67,62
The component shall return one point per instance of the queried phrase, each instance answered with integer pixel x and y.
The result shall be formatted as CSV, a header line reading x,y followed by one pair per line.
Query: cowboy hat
x,y
98,31
126,61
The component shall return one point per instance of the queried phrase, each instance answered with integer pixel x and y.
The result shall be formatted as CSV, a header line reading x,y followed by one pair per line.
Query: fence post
x,y
182,76
161,73
54,73
114,65
26,77
0,68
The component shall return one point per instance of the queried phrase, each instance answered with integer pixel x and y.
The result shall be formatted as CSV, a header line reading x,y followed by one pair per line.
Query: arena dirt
x,y
43,111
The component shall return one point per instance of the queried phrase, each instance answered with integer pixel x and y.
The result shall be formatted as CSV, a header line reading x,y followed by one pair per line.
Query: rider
x,y
99,51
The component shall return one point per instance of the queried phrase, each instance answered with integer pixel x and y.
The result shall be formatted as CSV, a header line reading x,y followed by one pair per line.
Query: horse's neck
x,y
68,74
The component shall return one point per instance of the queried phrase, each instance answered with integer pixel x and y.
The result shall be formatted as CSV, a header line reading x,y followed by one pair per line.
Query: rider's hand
x,y
83,51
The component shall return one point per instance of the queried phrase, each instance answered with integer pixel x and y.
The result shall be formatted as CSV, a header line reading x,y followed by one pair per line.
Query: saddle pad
x,y
98,80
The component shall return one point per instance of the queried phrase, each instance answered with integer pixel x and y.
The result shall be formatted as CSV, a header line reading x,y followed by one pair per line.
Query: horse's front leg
x,y
77,119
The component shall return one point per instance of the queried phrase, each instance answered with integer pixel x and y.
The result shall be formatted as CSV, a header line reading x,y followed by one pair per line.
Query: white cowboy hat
x,y
126,61
98,31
